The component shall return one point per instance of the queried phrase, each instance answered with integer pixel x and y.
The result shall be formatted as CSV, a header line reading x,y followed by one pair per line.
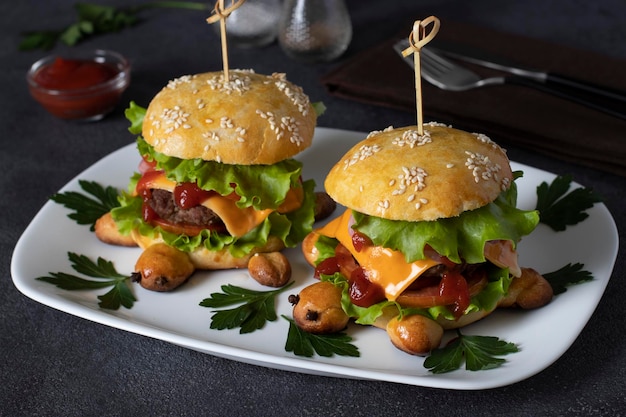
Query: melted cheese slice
x,y
238,221
388,268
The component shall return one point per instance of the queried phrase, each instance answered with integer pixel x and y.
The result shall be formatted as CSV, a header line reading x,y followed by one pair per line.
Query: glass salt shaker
x,y
253,24
314,30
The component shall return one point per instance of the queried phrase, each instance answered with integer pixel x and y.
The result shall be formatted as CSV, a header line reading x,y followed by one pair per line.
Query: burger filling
x,y
448,267
193,203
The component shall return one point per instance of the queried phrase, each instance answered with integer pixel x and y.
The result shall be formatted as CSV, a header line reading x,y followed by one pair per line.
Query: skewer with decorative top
x,y
420,36
220,13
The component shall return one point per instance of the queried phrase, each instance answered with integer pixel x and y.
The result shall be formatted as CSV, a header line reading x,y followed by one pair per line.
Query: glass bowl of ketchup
x,y
84,87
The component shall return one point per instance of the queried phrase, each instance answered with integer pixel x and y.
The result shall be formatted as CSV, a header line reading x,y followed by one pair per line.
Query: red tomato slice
x,y
432,296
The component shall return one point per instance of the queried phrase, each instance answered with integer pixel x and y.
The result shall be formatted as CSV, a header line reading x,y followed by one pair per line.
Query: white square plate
x,y
542,335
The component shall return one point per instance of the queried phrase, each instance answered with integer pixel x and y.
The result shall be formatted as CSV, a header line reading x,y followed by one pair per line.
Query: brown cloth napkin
x,y
518,115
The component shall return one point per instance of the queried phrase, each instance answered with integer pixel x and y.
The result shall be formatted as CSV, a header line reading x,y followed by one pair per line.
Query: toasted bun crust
x,y
251,119
397,174
203,258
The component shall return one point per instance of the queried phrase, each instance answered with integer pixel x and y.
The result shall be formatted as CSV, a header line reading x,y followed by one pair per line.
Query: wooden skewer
x,y
417,39
220,13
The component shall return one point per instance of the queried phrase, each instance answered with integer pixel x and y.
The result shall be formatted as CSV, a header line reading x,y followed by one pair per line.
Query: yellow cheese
x,y
238,221
388,268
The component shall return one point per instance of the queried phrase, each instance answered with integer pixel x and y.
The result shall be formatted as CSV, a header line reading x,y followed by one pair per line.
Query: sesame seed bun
x,y
251,119
398,175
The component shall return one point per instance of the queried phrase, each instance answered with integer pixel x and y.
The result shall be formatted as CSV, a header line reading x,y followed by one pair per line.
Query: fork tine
x,y
430,65
435,64
438,59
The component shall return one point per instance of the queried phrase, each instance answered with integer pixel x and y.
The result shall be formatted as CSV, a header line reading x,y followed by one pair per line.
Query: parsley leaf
x,y
86,209
306,344
558,208
567,275
257,308
479,352
94,19
119,295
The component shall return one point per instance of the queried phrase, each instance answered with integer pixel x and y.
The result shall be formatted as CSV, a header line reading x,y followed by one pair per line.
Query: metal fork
x,y
448,75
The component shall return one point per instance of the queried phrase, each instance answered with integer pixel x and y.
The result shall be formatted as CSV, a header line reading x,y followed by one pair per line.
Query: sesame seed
x,y
364,152
225,122
383,204
485,139
412,138
481,166
239,82
294,93
449,165
436,124
175,118
377,132
410,177
173,84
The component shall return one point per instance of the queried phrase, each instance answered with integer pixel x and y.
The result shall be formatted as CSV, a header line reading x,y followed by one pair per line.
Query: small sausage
x,y
106,230
272,269
324,205
415,334
309,250
318,309
530,290
163,268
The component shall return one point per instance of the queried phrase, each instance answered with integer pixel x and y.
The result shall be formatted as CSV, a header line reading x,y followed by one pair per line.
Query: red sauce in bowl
x,y
85,88
71,74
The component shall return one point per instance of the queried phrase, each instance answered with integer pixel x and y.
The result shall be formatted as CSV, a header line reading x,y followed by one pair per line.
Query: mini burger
x,y
427,241
217,181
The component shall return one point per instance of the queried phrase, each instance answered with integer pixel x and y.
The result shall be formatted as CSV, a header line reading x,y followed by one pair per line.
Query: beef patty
x,y
162,202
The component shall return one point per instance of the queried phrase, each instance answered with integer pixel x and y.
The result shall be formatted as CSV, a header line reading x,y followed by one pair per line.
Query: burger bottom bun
x,y
203,258
464,320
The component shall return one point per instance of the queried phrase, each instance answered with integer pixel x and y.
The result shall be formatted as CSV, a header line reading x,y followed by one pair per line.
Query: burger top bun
x,y
399,175
249,119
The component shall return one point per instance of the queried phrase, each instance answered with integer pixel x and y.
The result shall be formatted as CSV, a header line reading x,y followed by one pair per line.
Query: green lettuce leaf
x,y
275,180
460,238
135,114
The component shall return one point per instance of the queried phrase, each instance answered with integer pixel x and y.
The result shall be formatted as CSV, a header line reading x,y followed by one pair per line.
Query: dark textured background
x,y
57,364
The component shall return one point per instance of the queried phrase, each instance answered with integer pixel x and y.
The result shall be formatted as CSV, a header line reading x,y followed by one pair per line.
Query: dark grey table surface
x,y
55,364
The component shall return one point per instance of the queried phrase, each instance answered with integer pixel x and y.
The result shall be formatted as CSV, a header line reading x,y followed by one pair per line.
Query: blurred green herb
x,y
119,295
558,208
86,209
94,19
